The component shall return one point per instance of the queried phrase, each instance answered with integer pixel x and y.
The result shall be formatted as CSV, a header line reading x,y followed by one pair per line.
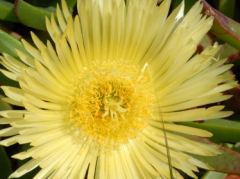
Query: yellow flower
x,y
96,101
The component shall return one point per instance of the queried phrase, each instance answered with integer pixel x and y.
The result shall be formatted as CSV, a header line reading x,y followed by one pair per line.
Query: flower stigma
x,y
112,102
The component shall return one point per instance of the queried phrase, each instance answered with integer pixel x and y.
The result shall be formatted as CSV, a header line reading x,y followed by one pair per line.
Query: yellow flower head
x,y
101,100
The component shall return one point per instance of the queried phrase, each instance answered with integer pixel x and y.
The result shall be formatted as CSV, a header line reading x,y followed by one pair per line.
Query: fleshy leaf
x,y
223,28
215,175
227,162
222,130
32,16
7,11
227,51
9,44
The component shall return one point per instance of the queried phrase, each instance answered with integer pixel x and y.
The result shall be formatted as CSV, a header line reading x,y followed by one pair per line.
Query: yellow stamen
x,y
112,102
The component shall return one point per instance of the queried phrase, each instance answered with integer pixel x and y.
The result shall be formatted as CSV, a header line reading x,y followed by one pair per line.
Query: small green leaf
x,y
223,27
9,44
7,11
32,16
222,130
214,175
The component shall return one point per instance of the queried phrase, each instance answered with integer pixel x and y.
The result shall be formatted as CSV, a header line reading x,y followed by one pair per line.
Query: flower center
x,y
111,103
113,108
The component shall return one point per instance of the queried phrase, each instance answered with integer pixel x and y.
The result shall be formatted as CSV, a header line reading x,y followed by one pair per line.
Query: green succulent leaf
x,y
32,16
9,44
222,130
227,50
227,162
215,175
7,11
224,28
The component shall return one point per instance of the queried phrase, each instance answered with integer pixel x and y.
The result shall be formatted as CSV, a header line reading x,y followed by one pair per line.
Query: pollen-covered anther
x,y
109,107
113,108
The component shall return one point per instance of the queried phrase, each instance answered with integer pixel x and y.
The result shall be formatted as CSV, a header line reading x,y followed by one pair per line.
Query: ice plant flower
x,y
95,101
